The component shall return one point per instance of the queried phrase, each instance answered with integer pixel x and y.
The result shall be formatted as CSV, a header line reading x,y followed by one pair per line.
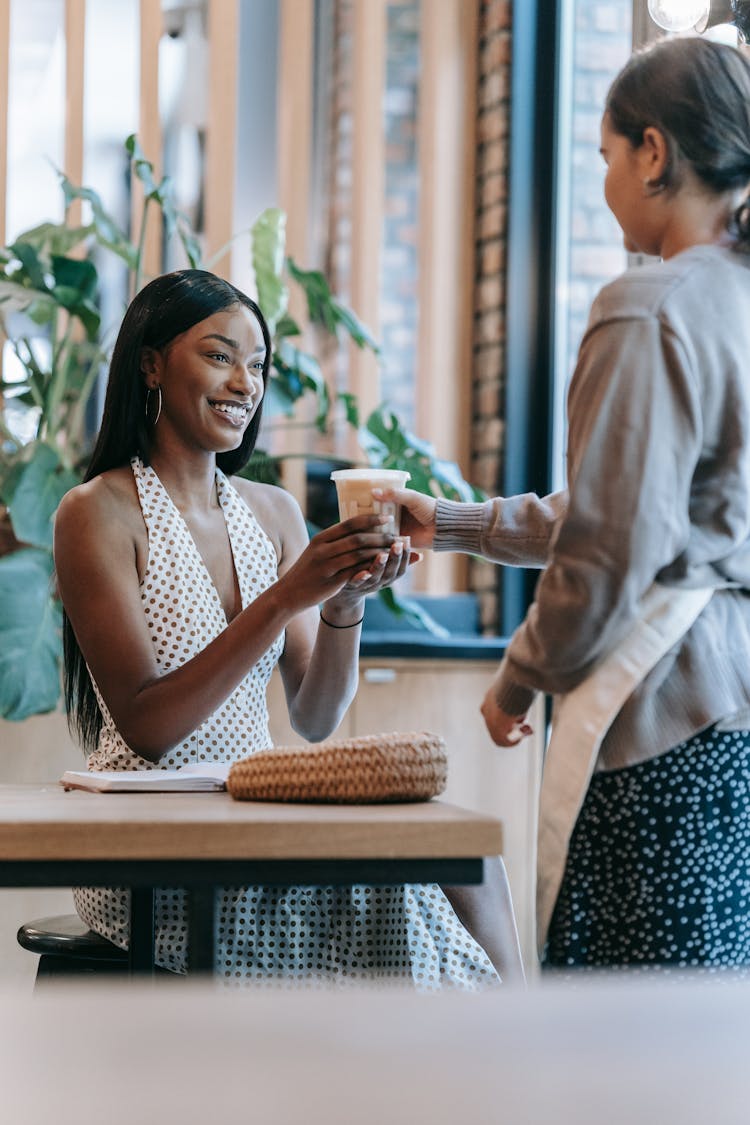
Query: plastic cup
x,y
354,490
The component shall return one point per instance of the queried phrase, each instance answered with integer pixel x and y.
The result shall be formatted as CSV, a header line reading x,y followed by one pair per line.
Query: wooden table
x,y
203,841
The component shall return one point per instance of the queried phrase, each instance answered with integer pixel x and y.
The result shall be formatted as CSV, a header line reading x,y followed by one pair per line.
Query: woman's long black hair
x,y
162,311
696,92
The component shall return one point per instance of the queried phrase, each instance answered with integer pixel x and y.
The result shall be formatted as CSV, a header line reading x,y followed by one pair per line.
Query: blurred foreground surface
x,y
617,1050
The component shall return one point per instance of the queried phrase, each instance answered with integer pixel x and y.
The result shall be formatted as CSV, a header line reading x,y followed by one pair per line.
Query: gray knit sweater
x,y
658,490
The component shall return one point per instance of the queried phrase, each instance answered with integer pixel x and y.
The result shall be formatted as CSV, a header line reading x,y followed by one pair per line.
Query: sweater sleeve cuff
x,y
512,698
459,526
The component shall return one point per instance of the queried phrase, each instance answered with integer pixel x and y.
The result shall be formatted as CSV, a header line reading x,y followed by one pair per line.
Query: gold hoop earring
x,y
158,404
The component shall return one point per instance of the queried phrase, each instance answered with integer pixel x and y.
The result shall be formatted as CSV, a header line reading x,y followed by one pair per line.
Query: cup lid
x,y
393,475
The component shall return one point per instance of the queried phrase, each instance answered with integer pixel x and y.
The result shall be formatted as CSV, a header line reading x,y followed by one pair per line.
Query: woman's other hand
x,y
341,556
386,568
417,513
503,729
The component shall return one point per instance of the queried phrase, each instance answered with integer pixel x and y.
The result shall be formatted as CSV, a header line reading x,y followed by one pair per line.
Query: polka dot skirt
x,y
311,934
658,871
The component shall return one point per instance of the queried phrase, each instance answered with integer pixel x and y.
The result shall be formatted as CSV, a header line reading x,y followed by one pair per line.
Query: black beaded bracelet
x,y
331,625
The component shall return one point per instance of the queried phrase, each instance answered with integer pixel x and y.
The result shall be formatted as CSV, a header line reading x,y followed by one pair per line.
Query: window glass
x,y
107,122
36,138
597,38
36,113
399,275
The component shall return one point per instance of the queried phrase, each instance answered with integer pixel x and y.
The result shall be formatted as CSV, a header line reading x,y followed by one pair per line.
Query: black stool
x,y
66,947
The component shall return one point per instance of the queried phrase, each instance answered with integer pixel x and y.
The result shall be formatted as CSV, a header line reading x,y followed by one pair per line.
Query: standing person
x,y
182,588
640,625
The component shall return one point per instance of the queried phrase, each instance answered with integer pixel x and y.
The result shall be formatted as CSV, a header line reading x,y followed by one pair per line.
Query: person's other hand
x,y
417,513
503,729
385,569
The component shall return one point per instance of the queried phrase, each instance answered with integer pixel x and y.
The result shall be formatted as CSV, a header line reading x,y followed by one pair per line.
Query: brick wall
x,y
493,118
337,267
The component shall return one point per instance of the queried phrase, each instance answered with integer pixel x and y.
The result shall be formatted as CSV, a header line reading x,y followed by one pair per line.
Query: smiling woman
x,y
184,588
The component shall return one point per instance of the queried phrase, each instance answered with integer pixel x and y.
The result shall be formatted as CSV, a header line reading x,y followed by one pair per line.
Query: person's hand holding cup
x,y
354,489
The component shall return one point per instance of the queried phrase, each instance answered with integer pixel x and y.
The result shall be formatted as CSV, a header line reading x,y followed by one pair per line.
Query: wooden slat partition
x,y
223,36
149,129
293,146
368,175
294,127
447,144
75,38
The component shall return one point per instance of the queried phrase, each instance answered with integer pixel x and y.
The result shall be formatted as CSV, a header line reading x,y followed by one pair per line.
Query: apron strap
x,y
582,718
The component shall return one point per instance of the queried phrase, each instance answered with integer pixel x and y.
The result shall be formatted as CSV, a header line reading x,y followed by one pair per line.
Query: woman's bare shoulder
x,y
106,506
111,493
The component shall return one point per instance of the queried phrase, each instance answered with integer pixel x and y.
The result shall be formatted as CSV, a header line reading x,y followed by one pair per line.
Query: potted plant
x,y
49,314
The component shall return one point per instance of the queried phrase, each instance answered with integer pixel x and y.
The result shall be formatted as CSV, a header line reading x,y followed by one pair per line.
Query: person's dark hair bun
x,y
696,92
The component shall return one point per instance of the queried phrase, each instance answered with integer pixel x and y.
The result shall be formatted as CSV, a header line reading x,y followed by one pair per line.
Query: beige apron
x,y
581,719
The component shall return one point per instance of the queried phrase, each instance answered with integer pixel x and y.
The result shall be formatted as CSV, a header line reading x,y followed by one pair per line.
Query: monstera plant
x,y
50,318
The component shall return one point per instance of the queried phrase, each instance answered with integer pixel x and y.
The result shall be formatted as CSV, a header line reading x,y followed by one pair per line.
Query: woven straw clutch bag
x,y
363,770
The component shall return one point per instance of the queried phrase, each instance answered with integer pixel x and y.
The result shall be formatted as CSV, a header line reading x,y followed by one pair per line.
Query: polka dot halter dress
x,y
309,934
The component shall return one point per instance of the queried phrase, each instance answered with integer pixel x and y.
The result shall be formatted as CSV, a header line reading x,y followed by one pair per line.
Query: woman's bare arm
x,y
320,663
95,556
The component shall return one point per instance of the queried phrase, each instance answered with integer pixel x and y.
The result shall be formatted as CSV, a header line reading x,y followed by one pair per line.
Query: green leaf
x,y
21,298
142,168
267,239
389,445
77,274
175,221
106,231
76,281
305,369
85,310
262,467
401,606
287,377
30,622
287,327
49,239
453,486
327,310
189,240
38,489
281,395
382,437
351,406
9,479
358,331
32,267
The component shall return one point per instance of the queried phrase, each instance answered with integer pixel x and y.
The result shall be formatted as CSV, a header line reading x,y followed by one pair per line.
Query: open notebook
x,y
200,777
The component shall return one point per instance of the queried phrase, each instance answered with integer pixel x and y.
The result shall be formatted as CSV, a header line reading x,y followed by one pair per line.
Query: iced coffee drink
x,y
354,488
